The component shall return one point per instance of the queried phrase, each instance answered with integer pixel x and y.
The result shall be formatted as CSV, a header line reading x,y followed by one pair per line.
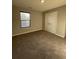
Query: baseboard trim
x,y
25,32
56,34
59,35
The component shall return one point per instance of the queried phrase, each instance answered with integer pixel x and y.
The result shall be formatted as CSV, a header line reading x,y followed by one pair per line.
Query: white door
x,y
51,22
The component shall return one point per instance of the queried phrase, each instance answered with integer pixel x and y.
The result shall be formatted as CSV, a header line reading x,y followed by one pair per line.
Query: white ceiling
x,y
37,5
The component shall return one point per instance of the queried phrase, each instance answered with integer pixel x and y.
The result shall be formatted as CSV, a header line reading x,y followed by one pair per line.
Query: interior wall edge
x,y
54,9
36,21
25,32
61,20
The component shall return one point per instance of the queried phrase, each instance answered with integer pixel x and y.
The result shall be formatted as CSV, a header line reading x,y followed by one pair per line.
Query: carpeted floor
x,y
38,45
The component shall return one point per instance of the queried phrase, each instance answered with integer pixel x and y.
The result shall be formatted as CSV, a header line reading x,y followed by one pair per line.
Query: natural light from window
x,y
25,19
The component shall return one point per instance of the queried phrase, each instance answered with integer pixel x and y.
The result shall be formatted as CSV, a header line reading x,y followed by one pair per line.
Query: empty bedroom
x,y
38,29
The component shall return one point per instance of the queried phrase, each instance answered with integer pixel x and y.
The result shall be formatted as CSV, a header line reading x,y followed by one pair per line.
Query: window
x,y
25,19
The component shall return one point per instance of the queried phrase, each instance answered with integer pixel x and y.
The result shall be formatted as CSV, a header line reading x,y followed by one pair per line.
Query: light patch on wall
x,y
42,1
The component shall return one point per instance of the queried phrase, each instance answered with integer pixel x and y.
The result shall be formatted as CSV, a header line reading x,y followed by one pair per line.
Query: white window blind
x,y
25,19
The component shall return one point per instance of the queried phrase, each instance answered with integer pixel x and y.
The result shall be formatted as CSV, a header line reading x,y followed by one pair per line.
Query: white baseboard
x,y
34,31
26,32
59,35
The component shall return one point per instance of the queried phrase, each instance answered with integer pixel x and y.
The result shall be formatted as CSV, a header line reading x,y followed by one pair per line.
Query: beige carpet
x,y
38,45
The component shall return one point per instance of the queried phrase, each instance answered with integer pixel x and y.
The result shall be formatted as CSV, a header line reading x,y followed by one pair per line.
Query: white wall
x,y
36,21
51,22
61,28
61,21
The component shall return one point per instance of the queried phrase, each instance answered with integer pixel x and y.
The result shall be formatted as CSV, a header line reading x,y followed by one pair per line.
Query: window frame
x,y
25,20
